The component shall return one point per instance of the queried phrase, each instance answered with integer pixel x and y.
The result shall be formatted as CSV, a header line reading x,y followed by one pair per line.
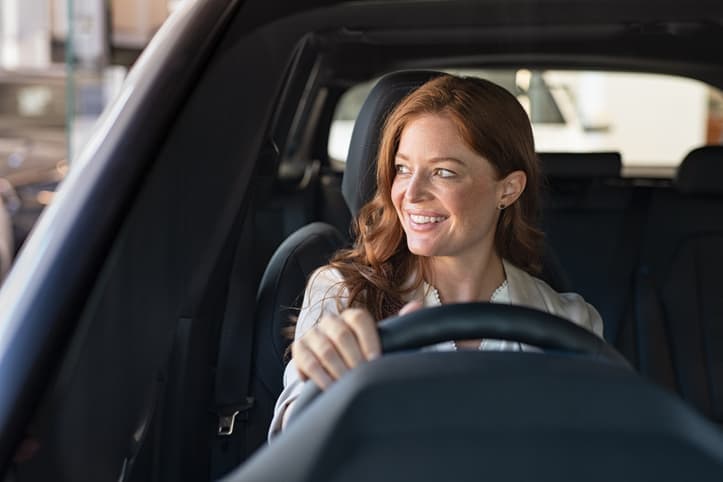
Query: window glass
x,y
652,120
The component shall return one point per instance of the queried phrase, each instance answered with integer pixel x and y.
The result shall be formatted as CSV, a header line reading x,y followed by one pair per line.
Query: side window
x,y
344,116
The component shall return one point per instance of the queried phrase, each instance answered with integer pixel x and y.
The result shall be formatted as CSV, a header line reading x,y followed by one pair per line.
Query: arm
x,y
327,343
322,292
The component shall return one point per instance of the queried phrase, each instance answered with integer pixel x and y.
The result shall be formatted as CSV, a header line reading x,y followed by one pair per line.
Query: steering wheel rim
x,y
491,320
437,324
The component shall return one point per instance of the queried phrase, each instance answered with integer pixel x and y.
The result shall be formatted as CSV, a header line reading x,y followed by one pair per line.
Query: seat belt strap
x,y
233,368
627,263
652,333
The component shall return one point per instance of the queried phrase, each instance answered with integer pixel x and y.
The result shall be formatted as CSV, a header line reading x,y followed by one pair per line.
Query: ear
x,y
511,187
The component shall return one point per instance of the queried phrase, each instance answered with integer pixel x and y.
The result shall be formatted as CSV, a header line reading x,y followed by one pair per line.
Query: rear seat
x,y
650,258
679,293
590,218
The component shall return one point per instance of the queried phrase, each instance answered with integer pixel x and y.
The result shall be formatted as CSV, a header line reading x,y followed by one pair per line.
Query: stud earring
x,y
501,206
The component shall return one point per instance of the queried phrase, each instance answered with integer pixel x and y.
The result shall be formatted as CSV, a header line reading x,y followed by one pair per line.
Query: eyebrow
x,y
433,159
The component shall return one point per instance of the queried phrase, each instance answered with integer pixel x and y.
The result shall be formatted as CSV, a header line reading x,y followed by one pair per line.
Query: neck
x,y
459,280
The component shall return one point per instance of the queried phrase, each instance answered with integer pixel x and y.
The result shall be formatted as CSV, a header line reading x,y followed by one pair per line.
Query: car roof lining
x,y
664,38
618,53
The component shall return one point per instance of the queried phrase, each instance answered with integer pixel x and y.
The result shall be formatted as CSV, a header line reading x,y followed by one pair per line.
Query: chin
x,y
422,250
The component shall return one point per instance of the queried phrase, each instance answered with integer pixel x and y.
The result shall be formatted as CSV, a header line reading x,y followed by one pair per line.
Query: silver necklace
x,y
495,294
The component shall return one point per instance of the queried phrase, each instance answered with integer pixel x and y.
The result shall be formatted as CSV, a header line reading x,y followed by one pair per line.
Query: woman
x,y
452,221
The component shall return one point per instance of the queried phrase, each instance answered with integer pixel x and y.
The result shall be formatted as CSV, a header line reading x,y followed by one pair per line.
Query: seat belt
x,y
233,368
627,262
232,398
655,354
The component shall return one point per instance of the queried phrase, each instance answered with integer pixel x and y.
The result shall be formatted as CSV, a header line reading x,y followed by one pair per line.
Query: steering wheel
x,y
481,320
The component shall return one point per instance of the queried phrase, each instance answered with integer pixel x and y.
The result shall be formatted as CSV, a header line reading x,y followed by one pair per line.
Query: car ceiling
x,y
669,37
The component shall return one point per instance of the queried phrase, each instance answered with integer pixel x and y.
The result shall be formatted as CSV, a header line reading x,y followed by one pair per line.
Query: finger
x,y
308,366
344,339
413,305
326,352
365,329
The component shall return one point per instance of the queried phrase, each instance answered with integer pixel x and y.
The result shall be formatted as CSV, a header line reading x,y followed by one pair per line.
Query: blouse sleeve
x,y
324,294
582,313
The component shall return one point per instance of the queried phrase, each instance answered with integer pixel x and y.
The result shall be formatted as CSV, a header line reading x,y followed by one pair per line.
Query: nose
x,y
417,188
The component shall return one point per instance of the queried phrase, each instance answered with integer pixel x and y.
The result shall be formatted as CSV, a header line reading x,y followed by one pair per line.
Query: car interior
x,y
216,199
589,205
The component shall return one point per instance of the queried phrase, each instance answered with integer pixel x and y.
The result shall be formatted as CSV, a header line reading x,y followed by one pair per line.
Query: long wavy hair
x,y
379,270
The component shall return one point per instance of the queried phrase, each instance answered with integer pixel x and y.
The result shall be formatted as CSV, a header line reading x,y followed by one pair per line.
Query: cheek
x,y
477,205
397,193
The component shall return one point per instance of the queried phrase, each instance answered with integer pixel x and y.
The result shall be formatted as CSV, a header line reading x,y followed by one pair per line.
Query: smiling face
x,y
446,195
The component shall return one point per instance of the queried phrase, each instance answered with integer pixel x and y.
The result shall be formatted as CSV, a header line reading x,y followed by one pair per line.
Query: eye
x,y
401,169
441,172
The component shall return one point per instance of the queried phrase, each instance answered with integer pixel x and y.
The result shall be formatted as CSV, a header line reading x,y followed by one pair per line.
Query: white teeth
x,y
426,219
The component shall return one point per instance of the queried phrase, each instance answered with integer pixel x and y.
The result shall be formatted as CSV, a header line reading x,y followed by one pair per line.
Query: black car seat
x,y
679,297
590,209
278,299
283,282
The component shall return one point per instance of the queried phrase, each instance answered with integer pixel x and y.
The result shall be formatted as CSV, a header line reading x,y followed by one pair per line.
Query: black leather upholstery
x,y
575,165
280,295
692,301
681,331
594,224
701,172
282,288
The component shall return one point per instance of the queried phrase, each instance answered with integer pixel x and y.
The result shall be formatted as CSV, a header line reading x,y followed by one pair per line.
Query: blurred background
x,y
61,63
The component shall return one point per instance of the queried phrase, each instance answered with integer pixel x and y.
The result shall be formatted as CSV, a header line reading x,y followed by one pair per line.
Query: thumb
x,y
413,305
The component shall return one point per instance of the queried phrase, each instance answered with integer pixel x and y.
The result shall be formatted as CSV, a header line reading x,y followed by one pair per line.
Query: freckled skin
x,y
439,175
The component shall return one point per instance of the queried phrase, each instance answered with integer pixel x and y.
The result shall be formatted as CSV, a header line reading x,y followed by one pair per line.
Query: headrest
x,y
701,172
359,183
580,164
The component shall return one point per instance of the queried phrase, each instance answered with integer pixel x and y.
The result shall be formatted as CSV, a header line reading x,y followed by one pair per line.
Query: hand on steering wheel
x,y
481,320
338,343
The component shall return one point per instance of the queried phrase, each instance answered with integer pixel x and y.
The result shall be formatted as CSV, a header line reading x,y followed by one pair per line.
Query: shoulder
x,y
531,291
325,293
574,307
571,306
326,281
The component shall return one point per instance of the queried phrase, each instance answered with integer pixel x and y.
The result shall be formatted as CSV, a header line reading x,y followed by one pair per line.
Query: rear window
x,y
652,120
